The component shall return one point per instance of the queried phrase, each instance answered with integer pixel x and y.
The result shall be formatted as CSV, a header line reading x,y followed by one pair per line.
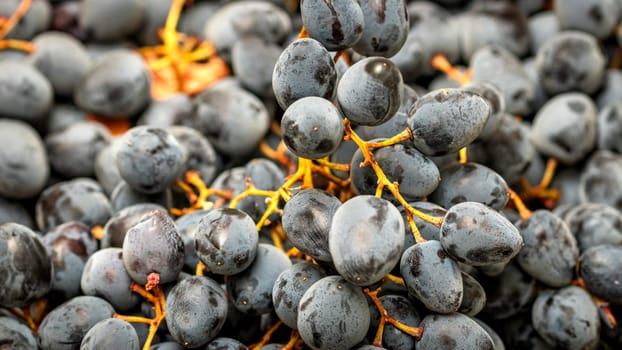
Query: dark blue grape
x,y
226,240
111,333
333,314
366,238
16,77
196,309
600,269
17,335
385,29
453,331
337,25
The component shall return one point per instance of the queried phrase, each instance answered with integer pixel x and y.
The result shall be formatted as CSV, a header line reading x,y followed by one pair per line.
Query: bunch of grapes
x,y
313,174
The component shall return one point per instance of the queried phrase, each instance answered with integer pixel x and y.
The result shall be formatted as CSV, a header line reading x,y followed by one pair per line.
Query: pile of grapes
x,y
313,174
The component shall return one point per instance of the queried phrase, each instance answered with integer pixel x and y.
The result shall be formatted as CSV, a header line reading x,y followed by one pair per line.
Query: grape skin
x,y
335,24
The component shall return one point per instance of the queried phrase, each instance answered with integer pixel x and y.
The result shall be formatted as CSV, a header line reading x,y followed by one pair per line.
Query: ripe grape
x,y
305,68
477,235
111,333
250,291
226,240
370,91
453,331
16,77
289,288
26,272
149,159
337,25
443,121
196,309
432,276
65,326
333,314
312,127
599,267
385,28
306,220
16,334
470,182
566,318
153,245
366,238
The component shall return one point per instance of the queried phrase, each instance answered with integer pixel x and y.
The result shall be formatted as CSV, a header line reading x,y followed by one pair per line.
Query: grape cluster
x,y
312,174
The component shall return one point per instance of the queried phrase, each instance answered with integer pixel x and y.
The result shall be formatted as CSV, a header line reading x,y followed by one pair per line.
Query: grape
x,y
116,227
175,109
609,92
107,176
601,179
493,23
153,245
241,119
69,246
571,61
65,326
251,290
312,127
17,77
187,226
23,174
306,220
425,40
542,26
190,319
416,174
453,331
62,59
443,121
432,276
35,20
104,275
117,85
477,235
72,151
26,272
402,310
566,318
370,91
124,196
111,333
508,293
149,159
168,345
226,241
565,127
336,25
550,250
200,154
609,128
246,19
223,343
126,17
597,17
365,239
289,288
594,224
470,182
496,339
333,314
599,268
15,212
498,66
305,68
473,297
510,151
385,28
16,335
496,101
80,199
253,62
